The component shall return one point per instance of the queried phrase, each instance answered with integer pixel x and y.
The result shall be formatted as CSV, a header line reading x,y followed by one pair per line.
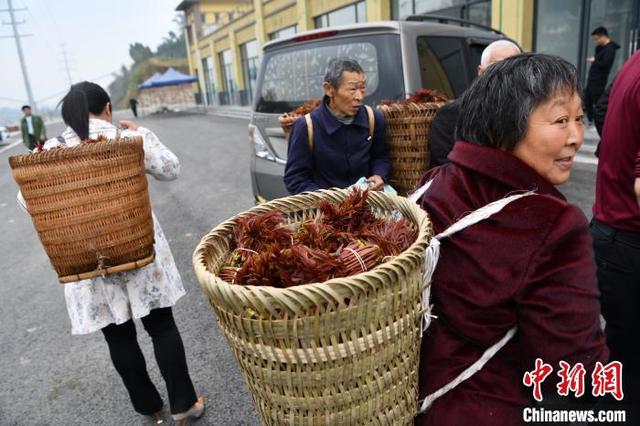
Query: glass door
x,y
619,17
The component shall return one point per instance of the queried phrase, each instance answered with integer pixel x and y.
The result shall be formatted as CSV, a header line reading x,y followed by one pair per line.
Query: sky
x,y
95,35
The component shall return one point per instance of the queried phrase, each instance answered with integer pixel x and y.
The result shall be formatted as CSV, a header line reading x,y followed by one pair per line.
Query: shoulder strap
x,y
372,121
307,118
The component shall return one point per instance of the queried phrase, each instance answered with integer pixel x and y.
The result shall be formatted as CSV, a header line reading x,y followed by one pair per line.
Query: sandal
x,y
196,411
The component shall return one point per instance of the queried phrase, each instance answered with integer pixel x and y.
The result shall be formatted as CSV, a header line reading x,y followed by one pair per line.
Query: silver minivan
x,y
398,57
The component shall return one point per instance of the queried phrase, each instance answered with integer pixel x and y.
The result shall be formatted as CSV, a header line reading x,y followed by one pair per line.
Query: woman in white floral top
x,y
110,303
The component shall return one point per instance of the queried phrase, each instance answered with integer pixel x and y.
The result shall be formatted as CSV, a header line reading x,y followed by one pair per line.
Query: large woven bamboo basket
x,y
90,206
342,352
408,137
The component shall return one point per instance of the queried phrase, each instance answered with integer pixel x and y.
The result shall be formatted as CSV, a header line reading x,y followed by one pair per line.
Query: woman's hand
x,y
129,125
636,189
376,183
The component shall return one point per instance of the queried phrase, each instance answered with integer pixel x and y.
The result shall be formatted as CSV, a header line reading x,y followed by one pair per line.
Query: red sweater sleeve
x,y
558,308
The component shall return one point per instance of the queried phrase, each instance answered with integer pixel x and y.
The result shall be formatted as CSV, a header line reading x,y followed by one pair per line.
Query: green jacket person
x,y
32,128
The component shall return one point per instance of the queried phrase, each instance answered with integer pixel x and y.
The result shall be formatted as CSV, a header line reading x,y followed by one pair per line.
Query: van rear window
x,y
291,76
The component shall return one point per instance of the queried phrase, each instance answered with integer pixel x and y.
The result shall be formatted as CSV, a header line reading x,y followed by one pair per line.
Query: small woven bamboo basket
x,y
90,206
408,137
288,118
286,122
342,352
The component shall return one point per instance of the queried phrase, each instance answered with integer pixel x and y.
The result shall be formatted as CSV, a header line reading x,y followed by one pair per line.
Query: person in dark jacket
x,y
133,103
342,149
530,265
601,65
441,134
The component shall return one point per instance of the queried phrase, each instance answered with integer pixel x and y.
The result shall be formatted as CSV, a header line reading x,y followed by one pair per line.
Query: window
x,y
207,69
292,76
250,63
284,32
442,65
477,11
347,15
227,94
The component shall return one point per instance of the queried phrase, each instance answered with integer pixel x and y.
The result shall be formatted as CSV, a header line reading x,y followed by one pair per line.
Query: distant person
x,y
601,65
441,134
32,128
110,303
133,103
348,139
615,228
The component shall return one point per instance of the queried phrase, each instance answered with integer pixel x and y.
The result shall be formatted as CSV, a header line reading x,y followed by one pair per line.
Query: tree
x,y
139,52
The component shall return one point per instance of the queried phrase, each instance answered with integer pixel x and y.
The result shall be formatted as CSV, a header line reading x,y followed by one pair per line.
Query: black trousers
x,y
618,259
592,93
169,351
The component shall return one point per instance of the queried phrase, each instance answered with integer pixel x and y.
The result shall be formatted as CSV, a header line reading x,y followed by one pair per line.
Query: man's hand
x,y
591,59
376,183
636,189
129,125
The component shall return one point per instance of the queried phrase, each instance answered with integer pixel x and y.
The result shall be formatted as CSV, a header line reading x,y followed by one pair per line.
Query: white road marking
x,y
8,147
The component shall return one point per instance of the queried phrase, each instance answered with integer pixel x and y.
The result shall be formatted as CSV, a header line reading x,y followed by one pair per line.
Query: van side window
x,y
442,64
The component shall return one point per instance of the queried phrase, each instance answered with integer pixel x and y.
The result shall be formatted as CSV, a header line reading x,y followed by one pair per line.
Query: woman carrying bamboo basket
x,y
110,302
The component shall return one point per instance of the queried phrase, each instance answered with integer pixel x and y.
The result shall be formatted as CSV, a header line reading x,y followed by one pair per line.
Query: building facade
x,y
225,38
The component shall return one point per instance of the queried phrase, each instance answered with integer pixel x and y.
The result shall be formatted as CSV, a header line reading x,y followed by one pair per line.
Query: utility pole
x,y
66,64
17,37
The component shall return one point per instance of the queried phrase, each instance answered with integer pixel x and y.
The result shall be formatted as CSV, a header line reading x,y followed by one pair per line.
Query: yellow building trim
x,y
304,15
274,6
320,7
246,34
258,14
378,10
515,19
236,60
283,19
217,74
222,43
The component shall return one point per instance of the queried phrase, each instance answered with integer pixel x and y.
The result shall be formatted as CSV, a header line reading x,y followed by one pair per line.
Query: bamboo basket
x,y
288,118
342,352
286,122
90,206
408,137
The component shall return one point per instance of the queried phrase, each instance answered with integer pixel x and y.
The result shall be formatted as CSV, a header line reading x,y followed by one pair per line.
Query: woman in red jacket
x,y
528,266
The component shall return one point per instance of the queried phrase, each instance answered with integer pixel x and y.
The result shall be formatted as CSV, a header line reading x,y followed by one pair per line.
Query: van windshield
x,y
292,76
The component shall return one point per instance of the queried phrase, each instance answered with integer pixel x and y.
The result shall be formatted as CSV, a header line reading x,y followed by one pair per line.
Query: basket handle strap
x,y
372,121
307,118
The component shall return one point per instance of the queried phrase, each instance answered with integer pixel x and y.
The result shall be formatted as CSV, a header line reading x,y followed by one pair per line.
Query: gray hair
x,y
488,51
339,65
495,109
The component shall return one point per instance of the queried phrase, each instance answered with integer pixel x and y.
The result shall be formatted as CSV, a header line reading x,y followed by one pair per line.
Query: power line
x,y
66,64
17,37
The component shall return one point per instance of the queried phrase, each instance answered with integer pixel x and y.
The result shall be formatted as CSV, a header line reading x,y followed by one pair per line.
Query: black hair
x,y
600,31
339,65
24,107
495,109
82,99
